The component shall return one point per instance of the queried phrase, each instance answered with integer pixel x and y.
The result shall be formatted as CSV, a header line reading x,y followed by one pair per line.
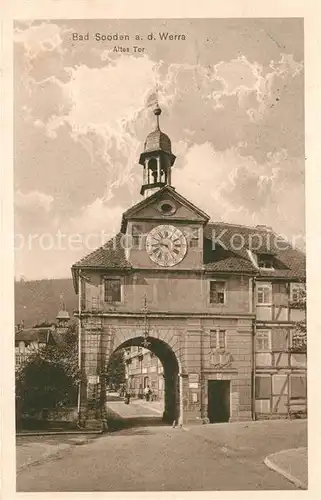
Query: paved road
x,y
138,413
136,408
160,458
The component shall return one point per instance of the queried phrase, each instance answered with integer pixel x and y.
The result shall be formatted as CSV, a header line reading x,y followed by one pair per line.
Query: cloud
x,y
238,77
33,201
44,37
81,121
57,242
106,99
96,217
103,109
238,189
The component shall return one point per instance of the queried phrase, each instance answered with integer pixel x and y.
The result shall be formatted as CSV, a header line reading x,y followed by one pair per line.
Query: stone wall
x,y
188,339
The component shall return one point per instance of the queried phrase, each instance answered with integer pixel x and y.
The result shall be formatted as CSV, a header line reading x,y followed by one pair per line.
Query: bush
x,y
49,378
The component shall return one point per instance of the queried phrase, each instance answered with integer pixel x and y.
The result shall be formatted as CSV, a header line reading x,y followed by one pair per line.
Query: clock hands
x,y
166,245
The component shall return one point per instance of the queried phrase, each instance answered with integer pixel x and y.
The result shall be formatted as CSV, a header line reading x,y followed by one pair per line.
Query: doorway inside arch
x,y
149,376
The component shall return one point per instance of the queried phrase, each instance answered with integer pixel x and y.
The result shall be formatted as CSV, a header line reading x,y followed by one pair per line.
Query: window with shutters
x,y
218,339
112,290
264,293
263,340
217,292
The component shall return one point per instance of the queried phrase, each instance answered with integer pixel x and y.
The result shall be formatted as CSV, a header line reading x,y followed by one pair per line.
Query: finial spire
x,y
62,302
152,102
157,111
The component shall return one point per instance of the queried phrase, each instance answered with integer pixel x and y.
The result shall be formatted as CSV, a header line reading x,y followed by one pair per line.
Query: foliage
x,y
115,375
299,335
44,324
49,377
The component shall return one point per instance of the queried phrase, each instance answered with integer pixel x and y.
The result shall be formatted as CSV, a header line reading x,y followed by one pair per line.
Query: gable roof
x,y
154,197
110,255
34,335
226,248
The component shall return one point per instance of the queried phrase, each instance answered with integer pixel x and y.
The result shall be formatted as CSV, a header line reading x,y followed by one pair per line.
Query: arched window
x,y
152,166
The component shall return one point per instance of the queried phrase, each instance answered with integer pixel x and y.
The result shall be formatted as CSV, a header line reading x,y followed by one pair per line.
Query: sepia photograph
x,y
160,255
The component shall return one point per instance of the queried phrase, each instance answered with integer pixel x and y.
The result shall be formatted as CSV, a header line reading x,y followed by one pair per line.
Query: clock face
x,y
166,245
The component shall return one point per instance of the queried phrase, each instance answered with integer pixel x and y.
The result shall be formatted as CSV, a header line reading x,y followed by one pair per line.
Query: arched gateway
x,y
100,338
215,318
168,353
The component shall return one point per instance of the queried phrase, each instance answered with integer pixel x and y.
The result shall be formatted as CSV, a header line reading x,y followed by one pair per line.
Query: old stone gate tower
x,y
186,287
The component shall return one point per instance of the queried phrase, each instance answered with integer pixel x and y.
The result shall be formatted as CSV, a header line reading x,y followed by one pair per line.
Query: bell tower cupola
x,y
62,317
157,159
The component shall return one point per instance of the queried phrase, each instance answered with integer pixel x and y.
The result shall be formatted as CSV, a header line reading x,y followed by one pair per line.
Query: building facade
x,y
144,369
30,340
217,303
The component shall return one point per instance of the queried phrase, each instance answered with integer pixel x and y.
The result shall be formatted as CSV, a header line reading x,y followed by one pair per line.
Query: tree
x,y
49,377
115,375
44,324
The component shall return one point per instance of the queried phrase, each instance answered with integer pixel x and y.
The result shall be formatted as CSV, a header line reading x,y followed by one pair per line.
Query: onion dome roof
x,y
157,140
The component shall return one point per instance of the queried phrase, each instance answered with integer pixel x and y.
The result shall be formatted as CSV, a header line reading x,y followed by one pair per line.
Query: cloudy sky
x,y
232,95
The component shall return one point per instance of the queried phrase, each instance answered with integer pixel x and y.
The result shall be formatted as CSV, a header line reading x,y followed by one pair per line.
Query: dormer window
x,y
265,261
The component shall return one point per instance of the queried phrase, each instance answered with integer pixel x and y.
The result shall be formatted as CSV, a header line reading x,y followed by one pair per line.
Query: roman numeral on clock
x,y
166,245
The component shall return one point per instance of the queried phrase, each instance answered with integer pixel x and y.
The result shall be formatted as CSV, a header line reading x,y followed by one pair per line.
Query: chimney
x,y
263,226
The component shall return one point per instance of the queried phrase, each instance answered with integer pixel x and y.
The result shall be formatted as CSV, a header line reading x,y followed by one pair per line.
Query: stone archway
x,y
98,342
172,404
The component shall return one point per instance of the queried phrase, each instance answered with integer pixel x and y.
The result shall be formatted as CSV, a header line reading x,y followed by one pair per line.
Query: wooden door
x,y
218,401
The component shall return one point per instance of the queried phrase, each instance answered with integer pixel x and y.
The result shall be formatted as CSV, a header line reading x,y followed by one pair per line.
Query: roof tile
x,y
110,255
225,250
33,335
226,240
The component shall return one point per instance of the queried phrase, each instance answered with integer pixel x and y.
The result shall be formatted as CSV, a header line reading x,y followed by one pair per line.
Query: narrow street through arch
x,y
147,403
138,413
